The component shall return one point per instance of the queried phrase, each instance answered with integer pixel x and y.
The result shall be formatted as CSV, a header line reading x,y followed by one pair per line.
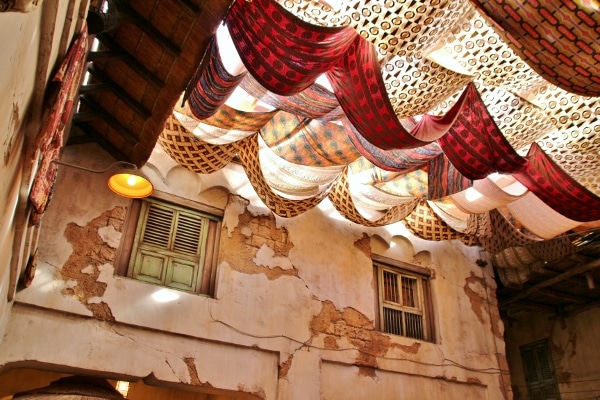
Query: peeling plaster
x,y
90,251
110,235
354,326
266,257
235,207
476,290
285,367
193,372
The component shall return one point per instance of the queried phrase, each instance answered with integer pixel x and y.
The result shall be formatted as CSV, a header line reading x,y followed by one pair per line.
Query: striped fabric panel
x,y
214,85
444,179
313,102
308,142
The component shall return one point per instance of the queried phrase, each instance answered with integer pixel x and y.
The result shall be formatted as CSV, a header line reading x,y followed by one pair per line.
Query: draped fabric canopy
x,y
396,112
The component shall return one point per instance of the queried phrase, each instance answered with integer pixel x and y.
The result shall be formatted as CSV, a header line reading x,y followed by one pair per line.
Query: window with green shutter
x,y
539,371
172,246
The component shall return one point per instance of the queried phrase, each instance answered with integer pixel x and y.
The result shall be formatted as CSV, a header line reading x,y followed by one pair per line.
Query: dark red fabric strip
x,y
214,86
284,53
474,143
557,189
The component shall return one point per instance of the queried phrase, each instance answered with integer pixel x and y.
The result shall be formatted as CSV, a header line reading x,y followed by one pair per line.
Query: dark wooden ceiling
x,y
148,51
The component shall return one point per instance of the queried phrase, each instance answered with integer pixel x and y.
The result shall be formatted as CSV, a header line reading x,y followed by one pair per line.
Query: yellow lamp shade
x,y
130,183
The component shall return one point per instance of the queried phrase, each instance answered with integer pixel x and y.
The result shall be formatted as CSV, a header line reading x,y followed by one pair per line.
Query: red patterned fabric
x,y
214,85
358,84
284,53
475,145
557,189
50,139
558,39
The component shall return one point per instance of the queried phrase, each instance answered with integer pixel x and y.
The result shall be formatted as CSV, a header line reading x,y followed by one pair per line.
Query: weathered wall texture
x,y
573,342
293,313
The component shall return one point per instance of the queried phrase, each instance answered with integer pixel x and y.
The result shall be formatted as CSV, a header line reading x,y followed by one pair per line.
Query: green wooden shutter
x,y
539,371
169,246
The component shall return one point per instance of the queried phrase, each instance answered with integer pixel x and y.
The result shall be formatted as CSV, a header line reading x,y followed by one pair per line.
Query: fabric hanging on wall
x,y
308,142
214,85
286,55
475,145
567,53
557,189
313,102
50,139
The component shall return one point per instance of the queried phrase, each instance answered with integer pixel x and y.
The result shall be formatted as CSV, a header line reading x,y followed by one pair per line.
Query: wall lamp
x,y
128,181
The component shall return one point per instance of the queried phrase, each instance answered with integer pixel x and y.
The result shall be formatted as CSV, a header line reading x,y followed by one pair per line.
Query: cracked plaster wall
x,y
300,290
573,342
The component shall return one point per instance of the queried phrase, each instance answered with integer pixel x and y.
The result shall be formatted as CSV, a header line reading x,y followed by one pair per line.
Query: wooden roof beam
x,y
119,92
549,282
119,52
110,120
149,29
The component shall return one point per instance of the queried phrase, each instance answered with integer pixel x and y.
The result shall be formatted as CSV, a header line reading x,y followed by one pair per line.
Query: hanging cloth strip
x,y
358,84
190,152
475,145
392,160
341,198
313,102
208,133
309,142
214,85
294,179
281,206
424,223
557,189
566,52
285,54
539,218
444,179
482,197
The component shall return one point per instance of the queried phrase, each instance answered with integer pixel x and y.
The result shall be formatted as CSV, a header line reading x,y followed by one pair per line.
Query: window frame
x,y
423,277
205,282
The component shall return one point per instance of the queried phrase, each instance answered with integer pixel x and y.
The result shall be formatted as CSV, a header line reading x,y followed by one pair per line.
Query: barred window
x,y
404,300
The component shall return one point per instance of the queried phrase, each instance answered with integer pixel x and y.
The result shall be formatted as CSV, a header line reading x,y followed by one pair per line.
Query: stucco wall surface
x,y
573,343
301,289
